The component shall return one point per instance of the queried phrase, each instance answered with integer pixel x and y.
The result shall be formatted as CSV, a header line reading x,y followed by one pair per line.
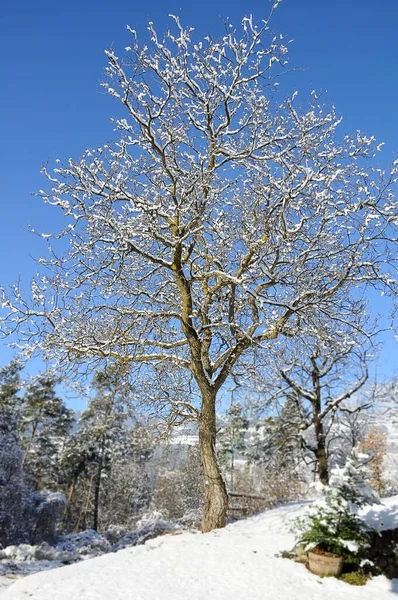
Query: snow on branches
x,y
216,221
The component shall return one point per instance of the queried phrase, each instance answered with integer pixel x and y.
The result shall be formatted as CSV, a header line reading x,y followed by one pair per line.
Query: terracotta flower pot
x,y
325,563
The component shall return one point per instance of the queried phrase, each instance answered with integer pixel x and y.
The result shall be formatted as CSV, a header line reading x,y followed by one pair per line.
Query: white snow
x,y
351,546
240,561
184,440
382,516
6,580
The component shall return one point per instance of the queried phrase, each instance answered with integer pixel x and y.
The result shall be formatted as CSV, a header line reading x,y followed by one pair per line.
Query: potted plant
x,y
331,530
324,563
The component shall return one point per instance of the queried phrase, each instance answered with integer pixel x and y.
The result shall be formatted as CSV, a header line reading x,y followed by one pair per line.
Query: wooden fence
x,y
242,505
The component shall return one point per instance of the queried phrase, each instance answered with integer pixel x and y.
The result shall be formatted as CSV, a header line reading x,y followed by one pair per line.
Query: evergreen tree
x,y
332,523
274,453
275,440
12,484
231,440
44,427
10,400
127,489
101,439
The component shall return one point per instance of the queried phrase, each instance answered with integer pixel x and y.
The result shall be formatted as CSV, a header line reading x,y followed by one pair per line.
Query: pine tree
x,y
12,483
231,440
274,454
332,523
10,400
32,427
44,427
101,439
127,488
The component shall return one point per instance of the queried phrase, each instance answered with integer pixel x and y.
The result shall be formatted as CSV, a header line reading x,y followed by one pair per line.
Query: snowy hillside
x,y
231,564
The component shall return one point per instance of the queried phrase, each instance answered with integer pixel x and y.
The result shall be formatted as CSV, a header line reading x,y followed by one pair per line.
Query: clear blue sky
x,y
52,60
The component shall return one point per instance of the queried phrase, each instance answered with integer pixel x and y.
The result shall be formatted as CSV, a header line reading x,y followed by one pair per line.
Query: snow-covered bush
x,y
151,526
148,527
332,523
115,532
86,543
46,552
179,491
128,539
14,495
46,512
42,552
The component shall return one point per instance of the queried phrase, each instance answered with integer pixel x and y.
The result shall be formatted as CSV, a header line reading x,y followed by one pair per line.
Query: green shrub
x,y
355,578
332,523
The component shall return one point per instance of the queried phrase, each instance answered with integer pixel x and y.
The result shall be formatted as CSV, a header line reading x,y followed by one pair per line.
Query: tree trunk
x,y
323,471
216,497
28,445
97,487
71,493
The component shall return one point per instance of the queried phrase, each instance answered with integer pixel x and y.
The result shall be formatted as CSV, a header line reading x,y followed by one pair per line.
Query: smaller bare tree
x,y
319,381
375,446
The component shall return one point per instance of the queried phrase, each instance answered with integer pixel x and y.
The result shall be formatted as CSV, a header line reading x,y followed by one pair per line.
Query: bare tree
x,y
320,383
218,221
350,427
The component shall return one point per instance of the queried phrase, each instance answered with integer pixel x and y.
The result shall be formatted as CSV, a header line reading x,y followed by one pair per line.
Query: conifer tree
x,y
44,426
12,481
100,440
231,440
10,399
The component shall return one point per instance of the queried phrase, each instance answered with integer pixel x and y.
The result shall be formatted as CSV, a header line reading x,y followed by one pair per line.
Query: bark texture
x,y
216,497
321,455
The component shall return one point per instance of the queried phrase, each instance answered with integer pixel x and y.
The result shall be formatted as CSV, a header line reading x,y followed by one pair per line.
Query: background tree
x,y
12,479
320,377
351,427
231,442
374,444
26,516
178,488
217,222
10,397
101,439
274,453
128,486
44,426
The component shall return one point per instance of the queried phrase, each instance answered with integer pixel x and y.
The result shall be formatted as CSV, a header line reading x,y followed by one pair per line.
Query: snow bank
x,y
69,548
382,516
237,562
25,559
74,547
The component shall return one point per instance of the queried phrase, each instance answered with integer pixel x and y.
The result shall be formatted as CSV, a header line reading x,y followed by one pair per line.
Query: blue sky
x,y
52,60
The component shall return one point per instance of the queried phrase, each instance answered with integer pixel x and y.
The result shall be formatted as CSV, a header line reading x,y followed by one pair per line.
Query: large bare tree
x,y
219,220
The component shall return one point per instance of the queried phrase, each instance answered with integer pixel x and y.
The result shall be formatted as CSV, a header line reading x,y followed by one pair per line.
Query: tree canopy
x,y
221,218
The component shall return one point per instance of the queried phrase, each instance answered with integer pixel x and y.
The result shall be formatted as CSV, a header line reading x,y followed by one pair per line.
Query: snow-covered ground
x,y
240,561
19,561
